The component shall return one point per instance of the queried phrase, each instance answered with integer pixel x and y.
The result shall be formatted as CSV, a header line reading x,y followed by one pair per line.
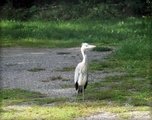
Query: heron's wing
x,y
77,73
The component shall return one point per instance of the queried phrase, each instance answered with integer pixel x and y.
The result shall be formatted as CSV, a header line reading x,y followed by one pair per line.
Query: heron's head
x,y
87,47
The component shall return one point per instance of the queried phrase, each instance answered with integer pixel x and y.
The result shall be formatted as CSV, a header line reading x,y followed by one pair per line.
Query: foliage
x,y
67,10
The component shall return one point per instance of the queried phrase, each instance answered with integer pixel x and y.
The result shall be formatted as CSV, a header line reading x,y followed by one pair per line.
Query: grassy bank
x,y
120,94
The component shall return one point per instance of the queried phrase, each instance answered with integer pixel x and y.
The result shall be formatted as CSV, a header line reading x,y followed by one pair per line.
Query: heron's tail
x,y
80,90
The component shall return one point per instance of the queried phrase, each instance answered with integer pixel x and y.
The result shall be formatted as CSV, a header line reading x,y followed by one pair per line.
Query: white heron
x,y
81,71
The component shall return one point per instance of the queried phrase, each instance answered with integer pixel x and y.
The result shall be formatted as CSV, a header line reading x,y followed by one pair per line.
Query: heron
x,y
81,70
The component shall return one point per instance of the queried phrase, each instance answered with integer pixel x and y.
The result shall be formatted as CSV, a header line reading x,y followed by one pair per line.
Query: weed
x,y
36,69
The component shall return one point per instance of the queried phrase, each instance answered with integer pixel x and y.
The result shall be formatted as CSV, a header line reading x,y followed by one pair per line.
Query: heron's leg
x,y
76,96
83,92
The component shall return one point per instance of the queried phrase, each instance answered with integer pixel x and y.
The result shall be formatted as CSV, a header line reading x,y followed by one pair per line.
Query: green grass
x,y
122,90
33,105
19,97
132,57
109,65
71,33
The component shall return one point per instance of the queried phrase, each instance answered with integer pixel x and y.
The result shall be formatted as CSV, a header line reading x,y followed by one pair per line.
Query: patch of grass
x,y
56,78
36,69
102,49
65,111
131,88
48,101
122,90
60,111
18,97
63,53
66,69
46,80
40,112
125,115
67,86
64,79
107,66
96,65
23,102
53,78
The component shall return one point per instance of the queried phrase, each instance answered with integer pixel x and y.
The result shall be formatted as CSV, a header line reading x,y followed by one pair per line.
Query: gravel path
x,y
51,80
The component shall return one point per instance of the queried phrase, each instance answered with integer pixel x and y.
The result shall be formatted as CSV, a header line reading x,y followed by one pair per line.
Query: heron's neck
x,y
85,59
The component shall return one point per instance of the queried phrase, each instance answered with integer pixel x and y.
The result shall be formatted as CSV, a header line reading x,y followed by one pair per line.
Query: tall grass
x,y
137,46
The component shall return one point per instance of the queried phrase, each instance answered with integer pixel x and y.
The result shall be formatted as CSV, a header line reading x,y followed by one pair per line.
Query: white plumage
x,y
81,71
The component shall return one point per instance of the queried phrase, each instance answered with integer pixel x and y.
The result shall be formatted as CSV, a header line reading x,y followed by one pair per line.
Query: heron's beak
x,y
91,46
